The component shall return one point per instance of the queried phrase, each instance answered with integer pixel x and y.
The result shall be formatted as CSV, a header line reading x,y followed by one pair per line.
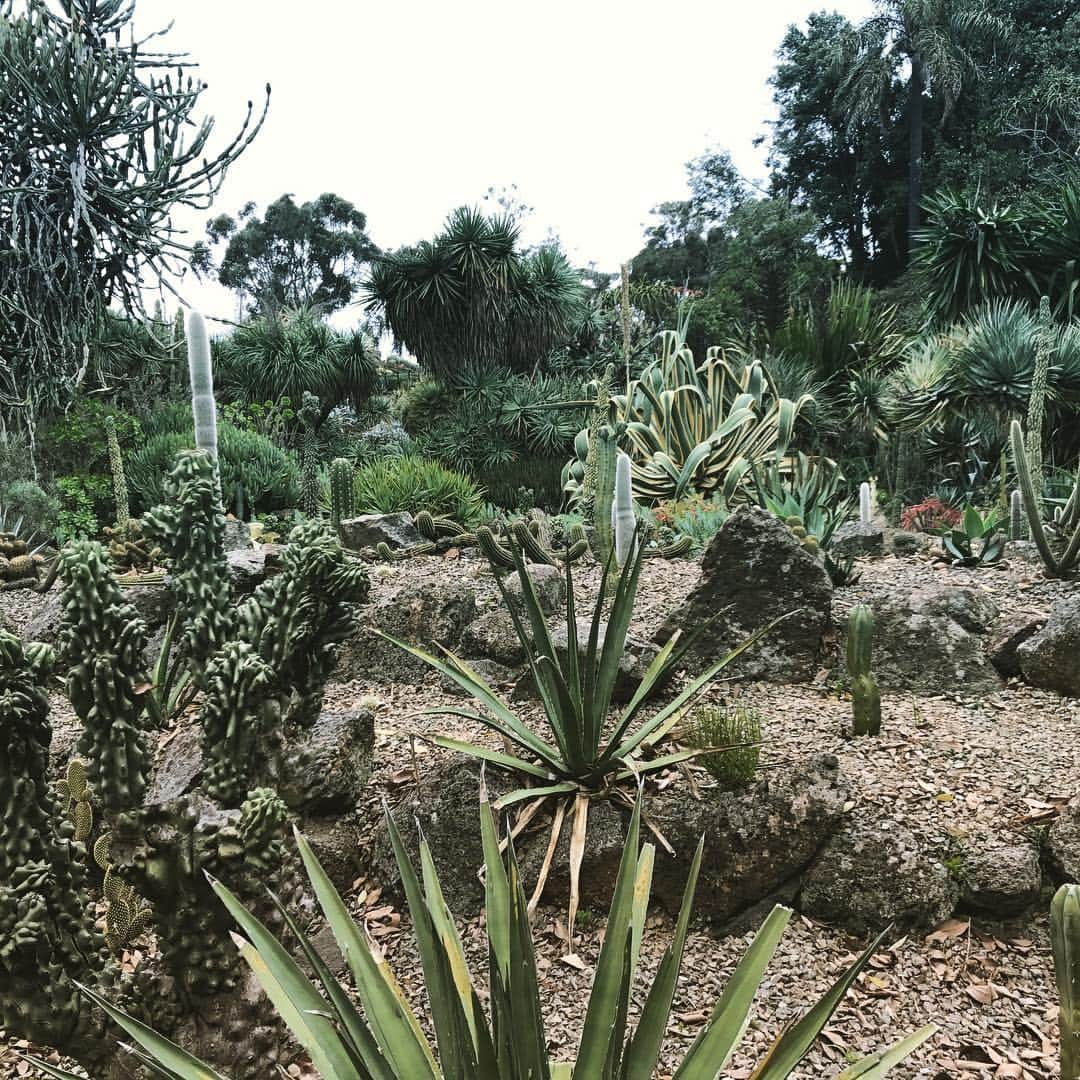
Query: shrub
x,y
75,443
85,504
409,483
28,501
712,726
930,516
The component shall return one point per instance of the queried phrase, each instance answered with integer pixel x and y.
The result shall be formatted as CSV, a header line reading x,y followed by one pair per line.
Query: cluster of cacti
x,y
1065,941
262,828
1044,347
865,698
866,507
47,935
102,637
342,492
127,915
74,793
18,565
116,467
737,727
130,549
309,454
1060,556
808,540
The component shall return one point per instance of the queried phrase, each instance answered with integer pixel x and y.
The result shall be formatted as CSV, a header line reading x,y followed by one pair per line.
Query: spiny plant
x,y
102,637
1044,348
74,793
866,510
127,916
977,542
116,466
731,735
865,698
1065,940
601,407
309,471
201,374
386,1039
1016,515
342,499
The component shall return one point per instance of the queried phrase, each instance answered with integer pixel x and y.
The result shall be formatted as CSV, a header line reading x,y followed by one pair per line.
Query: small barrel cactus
x,y
865,698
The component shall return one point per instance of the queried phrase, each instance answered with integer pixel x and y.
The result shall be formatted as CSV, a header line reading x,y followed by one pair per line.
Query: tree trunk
x,y
916,86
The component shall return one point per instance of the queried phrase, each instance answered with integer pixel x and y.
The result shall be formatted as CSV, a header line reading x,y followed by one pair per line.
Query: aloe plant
x,y
386,1041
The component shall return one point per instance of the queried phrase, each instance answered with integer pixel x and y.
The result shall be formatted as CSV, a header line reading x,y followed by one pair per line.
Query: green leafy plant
x,y
412,484
811,489
386,1041
734,731
977,542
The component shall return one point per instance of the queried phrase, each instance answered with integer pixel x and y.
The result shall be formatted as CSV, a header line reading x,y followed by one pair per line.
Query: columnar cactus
x,y
866,509
1065,940
103,637
116,466
1016,515
623,522
309,470
865,699
1037,401
342,492
201,374
606,456
604,385
47,935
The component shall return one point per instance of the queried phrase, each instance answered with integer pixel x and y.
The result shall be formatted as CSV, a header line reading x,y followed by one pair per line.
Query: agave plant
x,y
976,541
811,489
385,1040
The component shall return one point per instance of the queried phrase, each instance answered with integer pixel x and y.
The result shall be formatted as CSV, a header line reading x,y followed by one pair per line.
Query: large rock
x,y
153,601
237,535
369,530
1004,648
757,839
1050,659
873,873
250,566
1063,845
858,538
549,584
418,612
327,767
753,571
932,639
1001,881
180,764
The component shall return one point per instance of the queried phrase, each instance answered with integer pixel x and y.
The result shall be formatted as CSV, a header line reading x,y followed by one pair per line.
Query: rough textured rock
x,y
1005,643
932,640
858,538
153,601
418,612
549,583
757,840
752,572
633,664
874,873
1050,659
1063,845
249,566
179,765
1001,881
366,531
336,843
328,766
493,636
902,542
237,535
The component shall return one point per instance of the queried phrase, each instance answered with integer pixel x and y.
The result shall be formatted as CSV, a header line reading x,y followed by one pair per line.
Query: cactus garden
x,y
496,657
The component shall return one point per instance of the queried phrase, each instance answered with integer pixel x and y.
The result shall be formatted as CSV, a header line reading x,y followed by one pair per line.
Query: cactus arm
x,y
201,373
1031,500
341,491
606,452
623,522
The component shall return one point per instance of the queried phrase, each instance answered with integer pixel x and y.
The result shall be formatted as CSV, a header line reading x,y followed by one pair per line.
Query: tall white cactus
x,y
865,503
623,522
203,406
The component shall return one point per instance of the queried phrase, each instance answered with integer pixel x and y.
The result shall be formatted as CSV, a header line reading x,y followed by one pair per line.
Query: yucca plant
x,y
385,1041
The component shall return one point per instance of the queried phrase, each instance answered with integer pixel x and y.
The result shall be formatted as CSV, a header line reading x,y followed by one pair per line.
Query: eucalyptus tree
x,y
471,297
100,140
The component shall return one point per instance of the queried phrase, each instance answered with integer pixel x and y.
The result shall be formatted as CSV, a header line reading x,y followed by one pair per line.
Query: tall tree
x,y
930,47
100,140
311,255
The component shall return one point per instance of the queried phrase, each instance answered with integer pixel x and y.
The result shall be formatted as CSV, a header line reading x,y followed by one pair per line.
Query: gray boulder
x,y
179,766
1050,659
858,538
932,638
873,873
1004,648
753,571
1001,881
549,583
492,636
237,535
327,767
368,530
1063,845
903,542
250,566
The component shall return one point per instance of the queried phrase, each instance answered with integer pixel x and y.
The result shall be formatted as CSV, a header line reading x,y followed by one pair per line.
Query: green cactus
x,y
116,466
201,374
601,410
1065,941
1016,515
74,792
103,638
607,451
342,493
262,825
1037,400
676,549
127,916
533,550
309,454
865,699
500,557
623,521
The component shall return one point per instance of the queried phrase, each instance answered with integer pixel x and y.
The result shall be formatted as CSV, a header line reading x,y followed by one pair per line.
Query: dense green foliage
x,y
411,484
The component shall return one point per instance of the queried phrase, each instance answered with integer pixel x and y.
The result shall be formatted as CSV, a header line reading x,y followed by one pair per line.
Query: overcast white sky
x,y
409,108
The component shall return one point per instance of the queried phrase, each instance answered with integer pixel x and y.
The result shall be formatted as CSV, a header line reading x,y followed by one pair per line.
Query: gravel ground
x,y
960,773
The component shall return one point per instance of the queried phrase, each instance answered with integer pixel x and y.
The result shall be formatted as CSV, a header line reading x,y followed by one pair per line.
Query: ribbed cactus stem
x,y
606,453
865,698
587,501
116,466
1065,941
865,504
1044,347
1016,515
623,522
201,373
342,502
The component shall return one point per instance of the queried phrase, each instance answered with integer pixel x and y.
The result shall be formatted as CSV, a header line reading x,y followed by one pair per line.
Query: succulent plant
x,y
1016,515
1065,939
74,793
342,497
116,466
201,374
1045,343
865,698
866,509
309,469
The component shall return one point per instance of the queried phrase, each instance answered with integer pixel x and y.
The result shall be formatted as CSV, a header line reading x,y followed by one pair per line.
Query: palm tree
x,y
926,43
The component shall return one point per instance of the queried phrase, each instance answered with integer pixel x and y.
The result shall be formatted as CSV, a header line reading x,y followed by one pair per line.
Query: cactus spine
x,y
1065,940
116,466
201,373
1056,566
865,503
342,495
865,699
1037,401
623,522
1016,515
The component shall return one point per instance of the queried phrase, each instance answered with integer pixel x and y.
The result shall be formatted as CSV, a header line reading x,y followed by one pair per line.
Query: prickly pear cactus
x,y
47,935
103,637
74,794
